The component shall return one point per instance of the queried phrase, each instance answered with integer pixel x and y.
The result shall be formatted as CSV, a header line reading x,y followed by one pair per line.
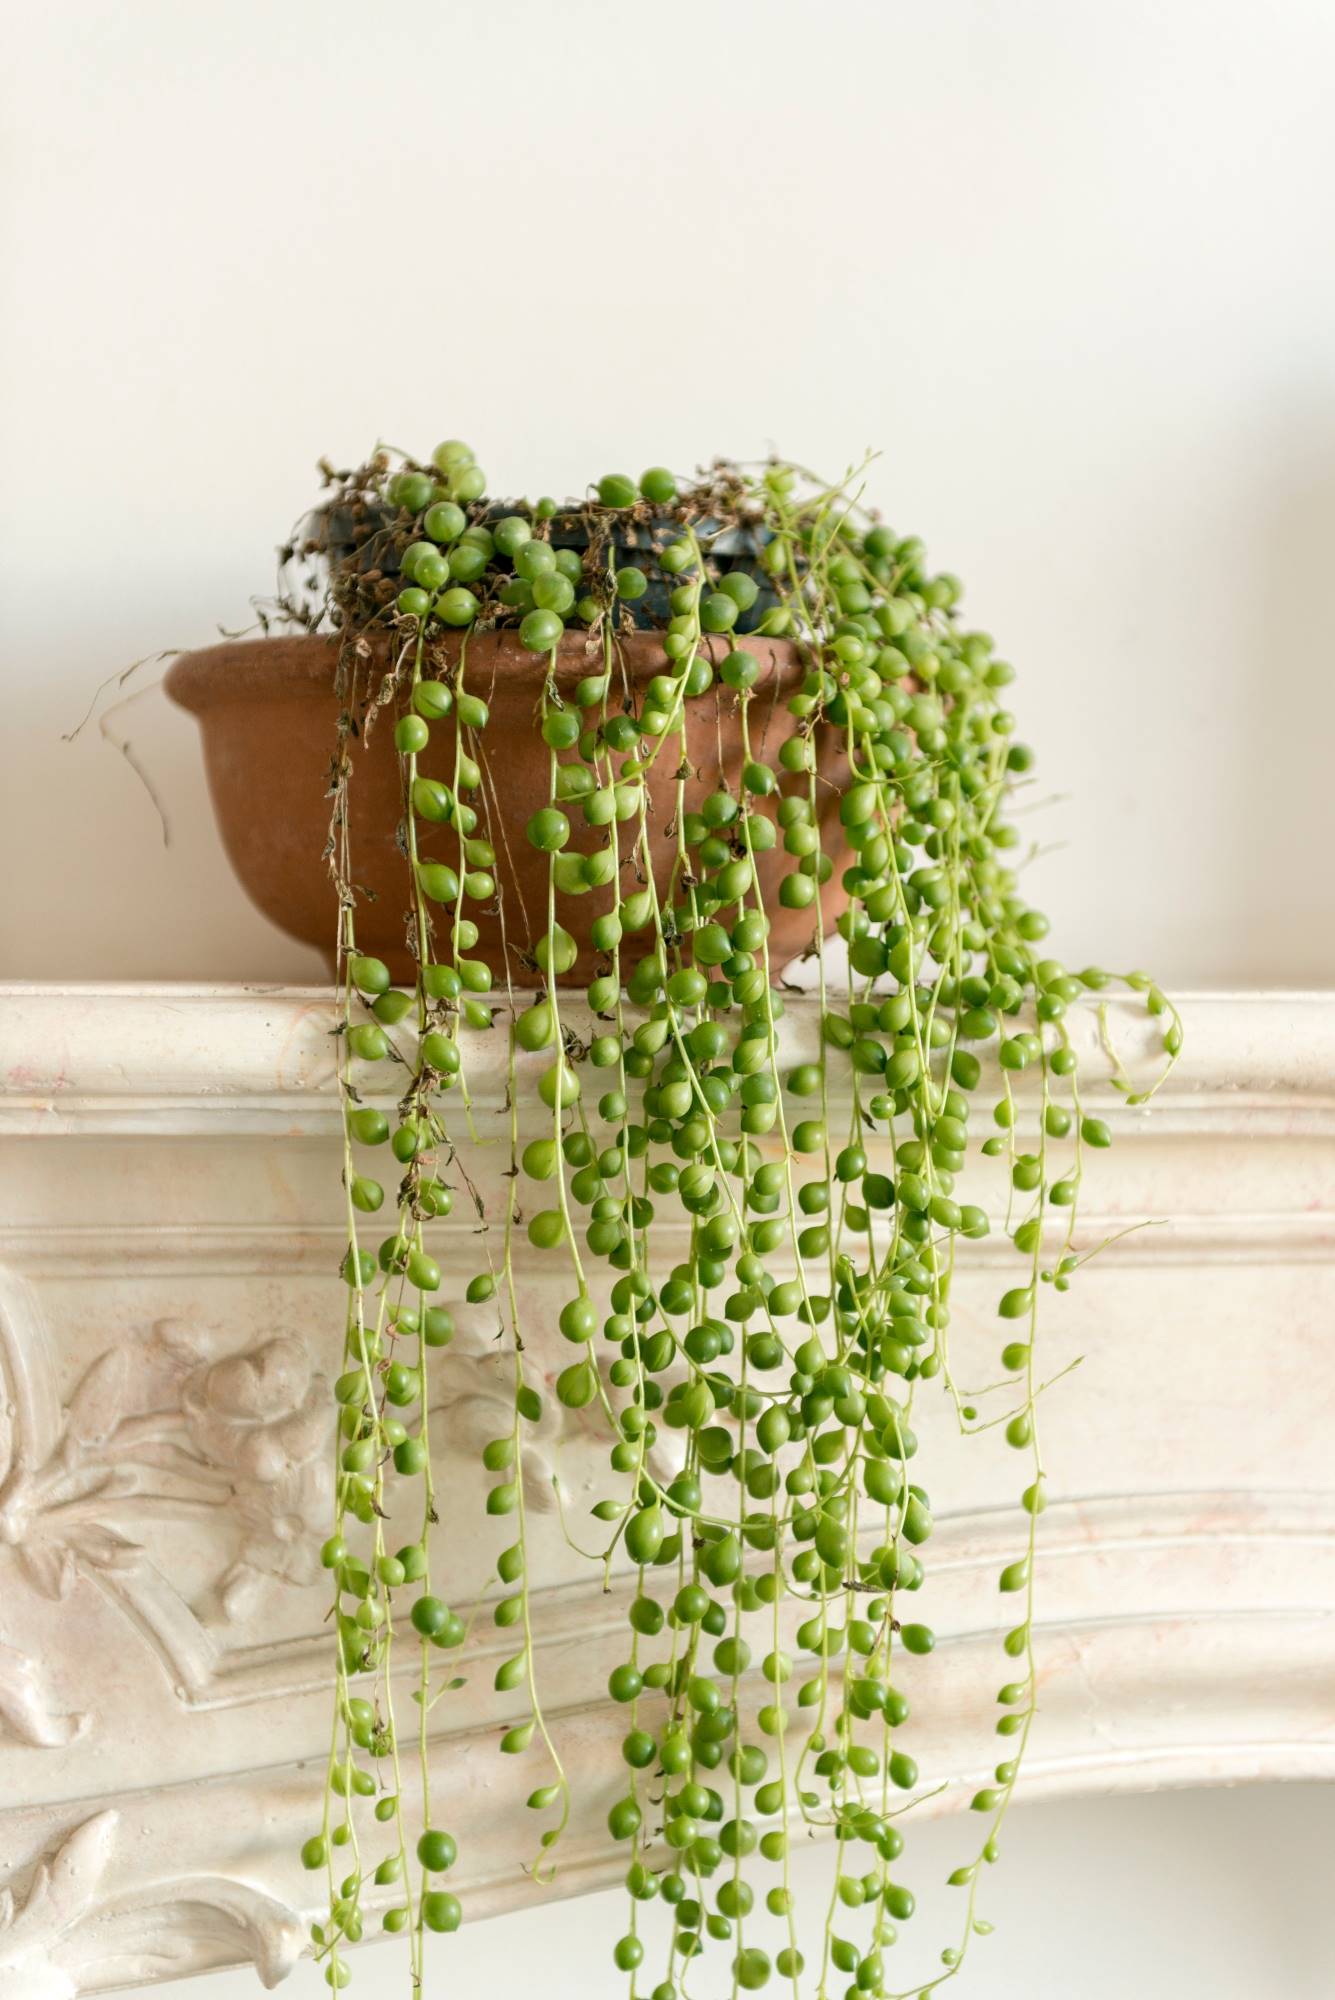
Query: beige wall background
x,y
1067,265
1170,1898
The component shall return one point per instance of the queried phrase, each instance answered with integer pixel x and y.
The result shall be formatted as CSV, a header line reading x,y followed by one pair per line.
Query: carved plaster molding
x,y
168,1312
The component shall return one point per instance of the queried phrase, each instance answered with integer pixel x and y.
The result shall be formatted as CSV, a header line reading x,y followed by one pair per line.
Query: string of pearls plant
x,y
775,1574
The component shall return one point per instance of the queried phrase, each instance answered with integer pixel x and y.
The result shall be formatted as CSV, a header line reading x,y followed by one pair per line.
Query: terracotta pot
x,y
268,711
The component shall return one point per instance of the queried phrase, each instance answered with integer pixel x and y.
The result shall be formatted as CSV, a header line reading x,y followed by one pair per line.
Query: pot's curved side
x,y
268,713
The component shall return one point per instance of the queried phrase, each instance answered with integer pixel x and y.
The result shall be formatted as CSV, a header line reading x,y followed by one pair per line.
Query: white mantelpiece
x,y
169,1311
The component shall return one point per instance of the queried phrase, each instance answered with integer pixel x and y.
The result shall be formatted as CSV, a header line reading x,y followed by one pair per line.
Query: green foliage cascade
x,y
774,1577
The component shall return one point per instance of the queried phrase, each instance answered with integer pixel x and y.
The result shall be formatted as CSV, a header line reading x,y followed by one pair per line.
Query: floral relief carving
x,y
161,1428
476,1404
158,1428
263,1418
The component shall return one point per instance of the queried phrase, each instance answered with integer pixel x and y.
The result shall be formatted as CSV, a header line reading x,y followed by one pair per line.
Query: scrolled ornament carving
x,y
70,1927
27,1712
60,1894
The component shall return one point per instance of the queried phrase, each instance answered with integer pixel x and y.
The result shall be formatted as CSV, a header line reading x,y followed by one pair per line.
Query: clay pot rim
x,y
282,665
246,669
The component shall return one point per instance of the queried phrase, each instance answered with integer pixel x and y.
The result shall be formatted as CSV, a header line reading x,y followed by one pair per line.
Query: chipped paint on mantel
x,y
169,1316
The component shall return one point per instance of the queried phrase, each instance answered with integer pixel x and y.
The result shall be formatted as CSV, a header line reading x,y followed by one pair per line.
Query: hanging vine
x,y
791,1348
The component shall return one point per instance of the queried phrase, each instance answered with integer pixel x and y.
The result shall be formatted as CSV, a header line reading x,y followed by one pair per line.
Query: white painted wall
x,y
1067,263
1167,1898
